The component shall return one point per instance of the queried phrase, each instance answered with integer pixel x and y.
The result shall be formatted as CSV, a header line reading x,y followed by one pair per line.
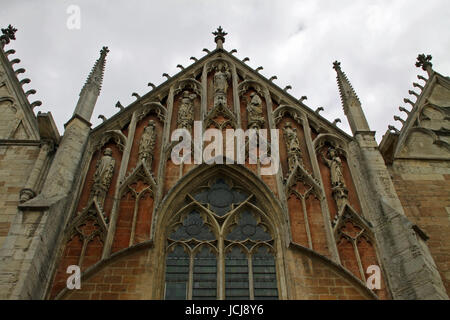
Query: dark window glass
x,y
264,274
193,228
220,197
205,274
248,228
236,274
177,274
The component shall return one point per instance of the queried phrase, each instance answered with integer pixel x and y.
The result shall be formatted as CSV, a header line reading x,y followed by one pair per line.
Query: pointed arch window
x,y
220,245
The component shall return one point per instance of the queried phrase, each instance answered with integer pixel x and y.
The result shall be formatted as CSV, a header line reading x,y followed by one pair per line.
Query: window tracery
x,y
220,245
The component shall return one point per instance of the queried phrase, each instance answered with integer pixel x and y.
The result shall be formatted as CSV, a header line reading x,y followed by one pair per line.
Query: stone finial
x,y
119,105
273,78
246,59
335,122
151,85
397,118
287,87
413,93
102,117
402,109
219,37
8,34
36,104
424,61
408,101
259,68
14,61
416,85
336,65
422,78
194,58
302,98
180,66
394,129
30,92
10,51
318,110
233,51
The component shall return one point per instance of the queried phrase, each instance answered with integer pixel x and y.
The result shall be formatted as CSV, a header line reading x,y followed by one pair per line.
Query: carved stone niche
x,y
221,80
330,155
251,94
104,171
186,93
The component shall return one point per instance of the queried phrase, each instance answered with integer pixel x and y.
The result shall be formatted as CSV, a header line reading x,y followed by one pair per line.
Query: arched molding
x,y
339,144
288,110
336,268
245,85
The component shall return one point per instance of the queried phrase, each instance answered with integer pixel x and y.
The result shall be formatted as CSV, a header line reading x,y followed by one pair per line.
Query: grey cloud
x,y
376,41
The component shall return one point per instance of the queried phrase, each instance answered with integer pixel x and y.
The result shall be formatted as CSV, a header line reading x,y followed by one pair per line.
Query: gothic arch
x,y
268,213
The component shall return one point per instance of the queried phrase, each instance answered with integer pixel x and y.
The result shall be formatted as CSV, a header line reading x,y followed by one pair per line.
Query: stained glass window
x,y
177,273
205,274
236,274
264,274
247,253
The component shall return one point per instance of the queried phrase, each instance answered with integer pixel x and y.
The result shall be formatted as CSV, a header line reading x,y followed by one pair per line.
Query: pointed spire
x,y
91,89
219,38
95,78
348,94
350,101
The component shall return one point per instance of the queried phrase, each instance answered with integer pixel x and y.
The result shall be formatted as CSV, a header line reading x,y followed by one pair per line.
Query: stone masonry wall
x,y
424,190
16,162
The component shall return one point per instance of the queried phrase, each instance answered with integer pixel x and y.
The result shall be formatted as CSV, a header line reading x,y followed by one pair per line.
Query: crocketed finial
x,y
336,65
219,38
424,61
8,34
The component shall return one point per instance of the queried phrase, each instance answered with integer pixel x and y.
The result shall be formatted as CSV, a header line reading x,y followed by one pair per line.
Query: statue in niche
x,y
255,116
221,85
104,171
147,144
292,146
186,111
340,191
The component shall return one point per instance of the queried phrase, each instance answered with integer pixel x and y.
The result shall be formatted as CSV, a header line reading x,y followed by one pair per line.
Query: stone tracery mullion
x,y
222,223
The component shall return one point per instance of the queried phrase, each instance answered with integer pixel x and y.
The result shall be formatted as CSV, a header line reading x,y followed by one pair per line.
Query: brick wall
x,y
128,278
134,277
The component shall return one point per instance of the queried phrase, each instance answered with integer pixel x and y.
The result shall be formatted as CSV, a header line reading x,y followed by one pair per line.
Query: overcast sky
x,y
377,43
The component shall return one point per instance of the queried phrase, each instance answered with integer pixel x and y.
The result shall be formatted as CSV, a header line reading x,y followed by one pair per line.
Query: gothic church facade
x,y
111,200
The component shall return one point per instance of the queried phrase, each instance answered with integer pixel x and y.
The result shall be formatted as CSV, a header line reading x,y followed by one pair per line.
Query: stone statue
x,y
292,146
186,111
104,171
221,85
334,162
255,116
147,144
